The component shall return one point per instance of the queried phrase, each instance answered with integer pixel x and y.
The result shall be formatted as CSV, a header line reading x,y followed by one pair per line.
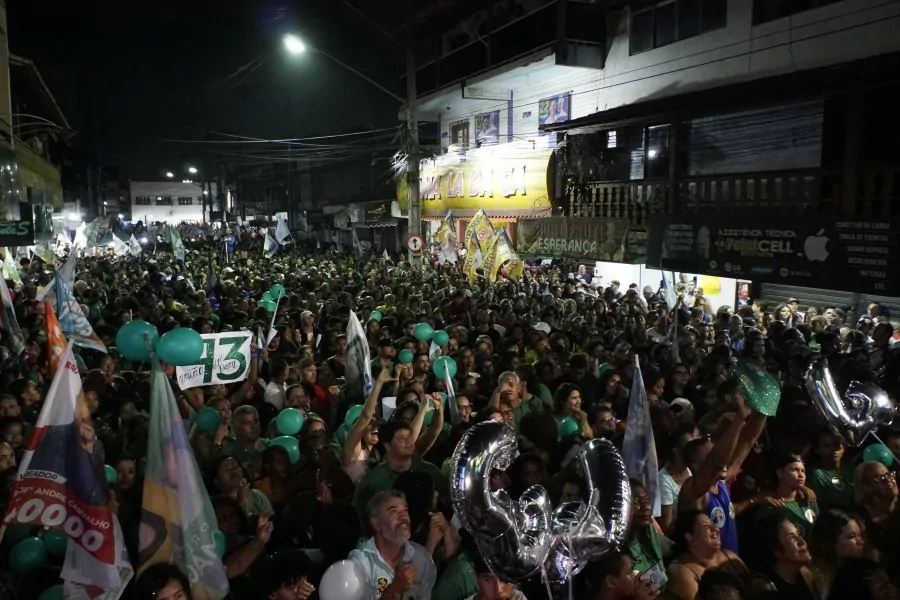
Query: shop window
x,y
673,21
769,10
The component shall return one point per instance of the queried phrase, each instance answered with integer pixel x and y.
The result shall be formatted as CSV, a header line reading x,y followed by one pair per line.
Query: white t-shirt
x,y
274,394
669,489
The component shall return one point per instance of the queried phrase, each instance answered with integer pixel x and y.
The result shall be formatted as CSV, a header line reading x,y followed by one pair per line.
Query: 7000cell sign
x,y
225,359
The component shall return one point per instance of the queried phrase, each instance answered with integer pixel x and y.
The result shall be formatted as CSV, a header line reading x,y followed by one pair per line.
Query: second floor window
x,y
769,10
185,201
164,200
673,21
143,200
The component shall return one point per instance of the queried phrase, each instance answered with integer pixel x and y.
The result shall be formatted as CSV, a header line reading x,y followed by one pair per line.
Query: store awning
x,y
494,214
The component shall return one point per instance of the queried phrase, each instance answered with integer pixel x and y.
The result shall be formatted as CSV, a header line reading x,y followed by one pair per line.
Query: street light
x,y
192,170
170,174
294,44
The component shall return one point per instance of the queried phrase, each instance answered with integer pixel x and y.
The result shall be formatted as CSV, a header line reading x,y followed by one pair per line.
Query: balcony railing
x,y
584,26
867,192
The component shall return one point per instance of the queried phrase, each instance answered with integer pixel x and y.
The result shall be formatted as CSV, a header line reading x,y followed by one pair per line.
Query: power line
x,y
241,139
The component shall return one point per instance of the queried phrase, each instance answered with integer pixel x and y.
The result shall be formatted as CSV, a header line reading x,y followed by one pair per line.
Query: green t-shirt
x,y
802,515
543,392
833,489
527,406
645,558
458,581
380,478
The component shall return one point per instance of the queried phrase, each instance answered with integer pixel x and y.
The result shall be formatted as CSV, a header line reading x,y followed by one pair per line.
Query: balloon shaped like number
x,y
208,419
441,338
860,411
180,347
289,421
135,340
423,332
27,555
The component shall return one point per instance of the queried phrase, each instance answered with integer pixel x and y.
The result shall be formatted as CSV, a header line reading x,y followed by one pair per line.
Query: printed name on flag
x,y
225,359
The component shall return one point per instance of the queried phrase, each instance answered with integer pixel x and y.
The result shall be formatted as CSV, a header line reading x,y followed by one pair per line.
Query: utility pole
x,y
412,153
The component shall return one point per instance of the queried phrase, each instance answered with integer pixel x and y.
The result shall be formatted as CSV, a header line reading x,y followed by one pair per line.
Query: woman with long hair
x,y
836,538
698,548
358,451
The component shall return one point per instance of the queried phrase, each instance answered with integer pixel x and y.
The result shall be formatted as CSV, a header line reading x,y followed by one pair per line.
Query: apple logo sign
x,y
815,247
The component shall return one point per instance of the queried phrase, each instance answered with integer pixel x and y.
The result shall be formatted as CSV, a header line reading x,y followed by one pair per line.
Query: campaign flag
x,y
270,246
10,268
177,244
281,228
56,339
93,231
358,365
385,256
120,248
448,240
134,247
61,483
669,292
177,520
9,322
638,445
81,235
490,260
71,318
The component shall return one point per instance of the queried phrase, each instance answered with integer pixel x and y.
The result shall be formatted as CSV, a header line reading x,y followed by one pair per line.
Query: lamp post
x,y
295,46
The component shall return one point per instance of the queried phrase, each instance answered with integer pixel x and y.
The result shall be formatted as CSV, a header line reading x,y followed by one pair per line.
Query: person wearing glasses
x,y
875,493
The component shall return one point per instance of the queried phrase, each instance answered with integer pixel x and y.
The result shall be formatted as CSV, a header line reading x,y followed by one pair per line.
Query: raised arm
x,y
351,445
430,436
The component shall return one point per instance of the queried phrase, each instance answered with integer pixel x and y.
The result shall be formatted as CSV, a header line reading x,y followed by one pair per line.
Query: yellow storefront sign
x,y
497,178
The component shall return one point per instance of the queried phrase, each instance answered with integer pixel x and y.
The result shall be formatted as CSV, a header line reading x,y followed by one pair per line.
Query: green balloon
x,y
878,453
277,291
423,332
375,315
112,476
219,541
52,593
269,305
568,427
444,365
340,436
55,541
27,555
441,338
268,297
289,421
352,415
180,347
208,419
289,443
132,340
406,356
761,390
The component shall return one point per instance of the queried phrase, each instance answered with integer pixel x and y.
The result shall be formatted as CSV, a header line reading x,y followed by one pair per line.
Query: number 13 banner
x,y
225,359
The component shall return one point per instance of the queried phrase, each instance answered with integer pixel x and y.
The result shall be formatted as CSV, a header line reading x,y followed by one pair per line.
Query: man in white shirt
x,y
395,568
274,393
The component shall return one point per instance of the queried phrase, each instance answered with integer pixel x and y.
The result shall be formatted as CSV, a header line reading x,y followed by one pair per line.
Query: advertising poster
x,y
578,239
849,254
554,109
487,128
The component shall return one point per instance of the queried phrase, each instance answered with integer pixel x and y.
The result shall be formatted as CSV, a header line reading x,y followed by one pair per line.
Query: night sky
x,y
131,74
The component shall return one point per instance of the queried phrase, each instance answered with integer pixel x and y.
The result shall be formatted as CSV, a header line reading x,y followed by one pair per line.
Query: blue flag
x,y
638,446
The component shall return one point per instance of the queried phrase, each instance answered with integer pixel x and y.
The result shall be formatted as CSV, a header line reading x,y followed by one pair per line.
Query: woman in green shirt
x,y
831,479
643,540
791,496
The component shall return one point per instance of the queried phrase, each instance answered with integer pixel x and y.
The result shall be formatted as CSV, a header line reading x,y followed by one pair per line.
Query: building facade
x,y
169,202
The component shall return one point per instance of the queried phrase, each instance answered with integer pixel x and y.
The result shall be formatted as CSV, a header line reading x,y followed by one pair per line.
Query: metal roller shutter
x,y
774,294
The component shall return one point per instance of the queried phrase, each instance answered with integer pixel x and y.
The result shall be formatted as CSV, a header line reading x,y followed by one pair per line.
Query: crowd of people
x,y
751,507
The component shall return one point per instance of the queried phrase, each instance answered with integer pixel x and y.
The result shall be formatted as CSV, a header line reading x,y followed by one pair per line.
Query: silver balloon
x,y
584,532
608,488
512,537
862,410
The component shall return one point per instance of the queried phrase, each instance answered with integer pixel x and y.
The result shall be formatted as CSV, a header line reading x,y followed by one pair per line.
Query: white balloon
x,y
344,580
